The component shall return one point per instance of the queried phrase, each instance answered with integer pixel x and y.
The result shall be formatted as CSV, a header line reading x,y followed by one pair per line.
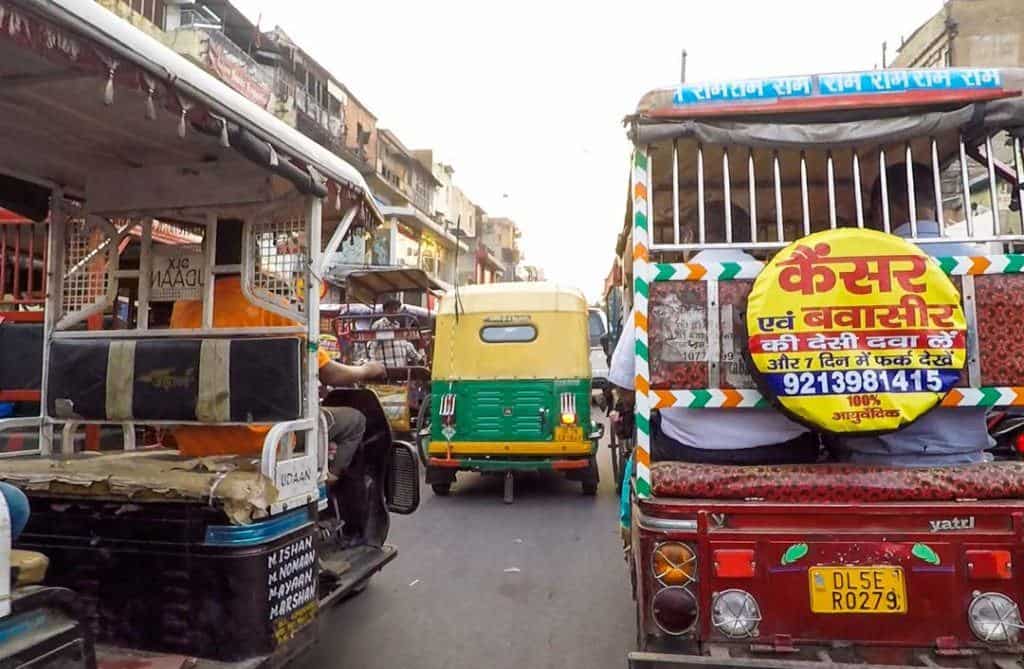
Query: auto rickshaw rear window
x,y
507,334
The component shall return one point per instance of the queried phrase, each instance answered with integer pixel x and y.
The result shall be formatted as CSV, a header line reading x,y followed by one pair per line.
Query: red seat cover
x,y
838,482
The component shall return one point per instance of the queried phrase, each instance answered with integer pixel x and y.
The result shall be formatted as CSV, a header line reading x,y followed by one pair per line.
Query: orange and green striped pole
x,y
641,290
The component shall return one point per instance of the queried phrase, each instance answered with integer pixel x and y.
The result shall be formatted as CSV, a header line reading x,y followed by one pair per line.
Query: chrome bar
x,y
1018,158
924,241
804,197
666,524
675,190
937,181
831,171
209,260
727,191
209,333
967,287
714,335
884,181
993,192
965,184
700,193
145,274
858,196
911,196
752,179
780,229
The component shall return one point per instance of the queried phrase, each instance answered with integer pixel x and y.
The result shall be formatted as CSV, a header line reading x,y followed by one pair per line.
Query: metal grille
x,y
88,248
22,263
280,259
708,196
403,481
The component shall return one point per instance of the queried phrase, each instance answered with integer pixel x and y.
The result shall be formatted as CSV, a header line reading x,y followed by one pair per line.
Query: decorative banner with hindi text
x,y
854,330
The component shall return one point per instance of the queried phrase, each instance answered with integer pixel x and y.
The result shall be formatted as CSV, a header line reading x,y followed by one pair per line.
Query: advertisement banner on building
x,y
231,65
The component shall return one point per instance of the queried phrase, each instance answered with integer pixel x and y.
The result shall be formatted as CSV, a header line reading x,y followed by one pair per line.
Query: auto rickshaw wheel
x,y
591,478
423,420
441,489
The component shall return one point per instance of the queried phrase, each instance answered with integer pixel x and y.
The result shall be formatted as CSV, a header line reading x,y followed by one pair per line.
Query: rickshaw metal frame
x,y
92,121
706,519
663,126
113,194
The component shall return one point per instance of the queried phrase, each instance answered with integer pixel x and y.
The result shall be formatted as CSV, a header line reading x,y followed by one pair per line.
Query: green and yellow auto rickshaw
x,y
510,387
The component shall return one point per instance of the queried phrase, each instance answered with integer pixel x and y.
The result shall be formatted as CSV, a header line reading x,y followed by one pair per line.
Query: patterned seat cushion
x,y
838,482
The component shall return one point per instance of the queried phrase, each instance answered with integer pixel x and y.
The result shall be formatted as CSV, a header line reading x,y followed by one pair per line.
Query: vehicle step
x,y
364,562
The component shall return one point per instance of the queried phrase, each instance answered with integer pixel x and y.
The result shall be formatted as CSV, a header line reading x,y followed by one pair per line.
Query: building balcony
x,y
327,131
123,8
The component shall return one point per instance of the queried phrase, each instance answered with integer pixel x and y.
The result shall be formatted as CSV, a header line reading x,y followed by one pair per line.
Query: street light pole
x,y
682,69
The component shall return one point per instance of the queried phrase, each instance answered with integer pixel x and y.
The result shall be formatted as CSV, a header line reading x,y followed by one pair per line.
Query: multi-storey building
x,y
407,189
457,212
428,217
501,235
971,33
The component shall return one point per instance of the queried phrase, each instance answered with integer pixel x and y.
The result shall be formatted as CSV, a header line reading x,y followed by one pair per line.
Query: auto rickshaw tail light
x,y
447,411
674,610
989,565
568,409
674,564
734,563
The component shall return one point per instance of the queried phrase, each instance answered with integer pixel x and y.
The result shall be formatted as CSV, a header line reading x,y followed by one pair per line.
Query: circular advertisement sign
x,y
853,330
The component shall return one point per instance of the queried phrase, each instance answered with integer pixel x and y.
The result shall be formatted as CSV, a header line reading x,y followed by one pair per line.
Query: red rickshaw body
x,y
969,546
834,562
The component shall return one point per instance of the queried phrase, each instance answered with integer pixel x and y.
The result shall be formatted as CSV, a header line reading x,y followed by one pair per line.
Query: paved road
x,y
452,600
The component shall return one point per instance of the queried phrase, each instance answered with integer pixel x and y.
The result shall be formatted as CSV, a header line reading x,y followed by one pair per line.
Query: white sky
x,y
525,99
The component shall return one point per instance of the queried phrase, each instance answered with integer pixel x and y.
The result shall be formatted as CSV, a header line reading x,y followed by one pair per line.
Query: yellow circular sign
x,y
853,330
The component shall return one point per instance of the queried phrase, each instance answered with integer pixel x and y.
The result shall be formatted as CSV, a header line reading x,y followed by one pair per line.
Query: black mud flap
x,y
403,484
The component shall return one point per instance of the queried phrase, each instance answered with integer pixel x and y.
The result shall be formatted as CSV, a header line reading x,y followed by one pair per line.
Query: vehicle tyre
x,y
591,476
441,489
423,420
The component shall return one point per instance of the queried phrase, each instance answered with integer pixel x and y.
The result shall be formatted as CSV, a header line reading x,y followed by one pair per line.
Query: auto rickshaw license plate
x,y
568,433
857,590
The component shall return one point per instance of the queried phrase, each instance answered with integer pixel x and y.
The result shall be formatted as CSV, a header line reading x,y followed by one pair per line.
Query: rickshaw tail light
x,y
447,409
674,610
994,618
734,563
987,565
674,564
568,408
1018,443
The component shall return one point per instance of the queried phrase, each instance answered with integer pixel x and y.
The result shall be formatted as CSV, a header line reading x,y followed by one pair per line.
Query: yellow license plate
x,y
568,433
857,590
